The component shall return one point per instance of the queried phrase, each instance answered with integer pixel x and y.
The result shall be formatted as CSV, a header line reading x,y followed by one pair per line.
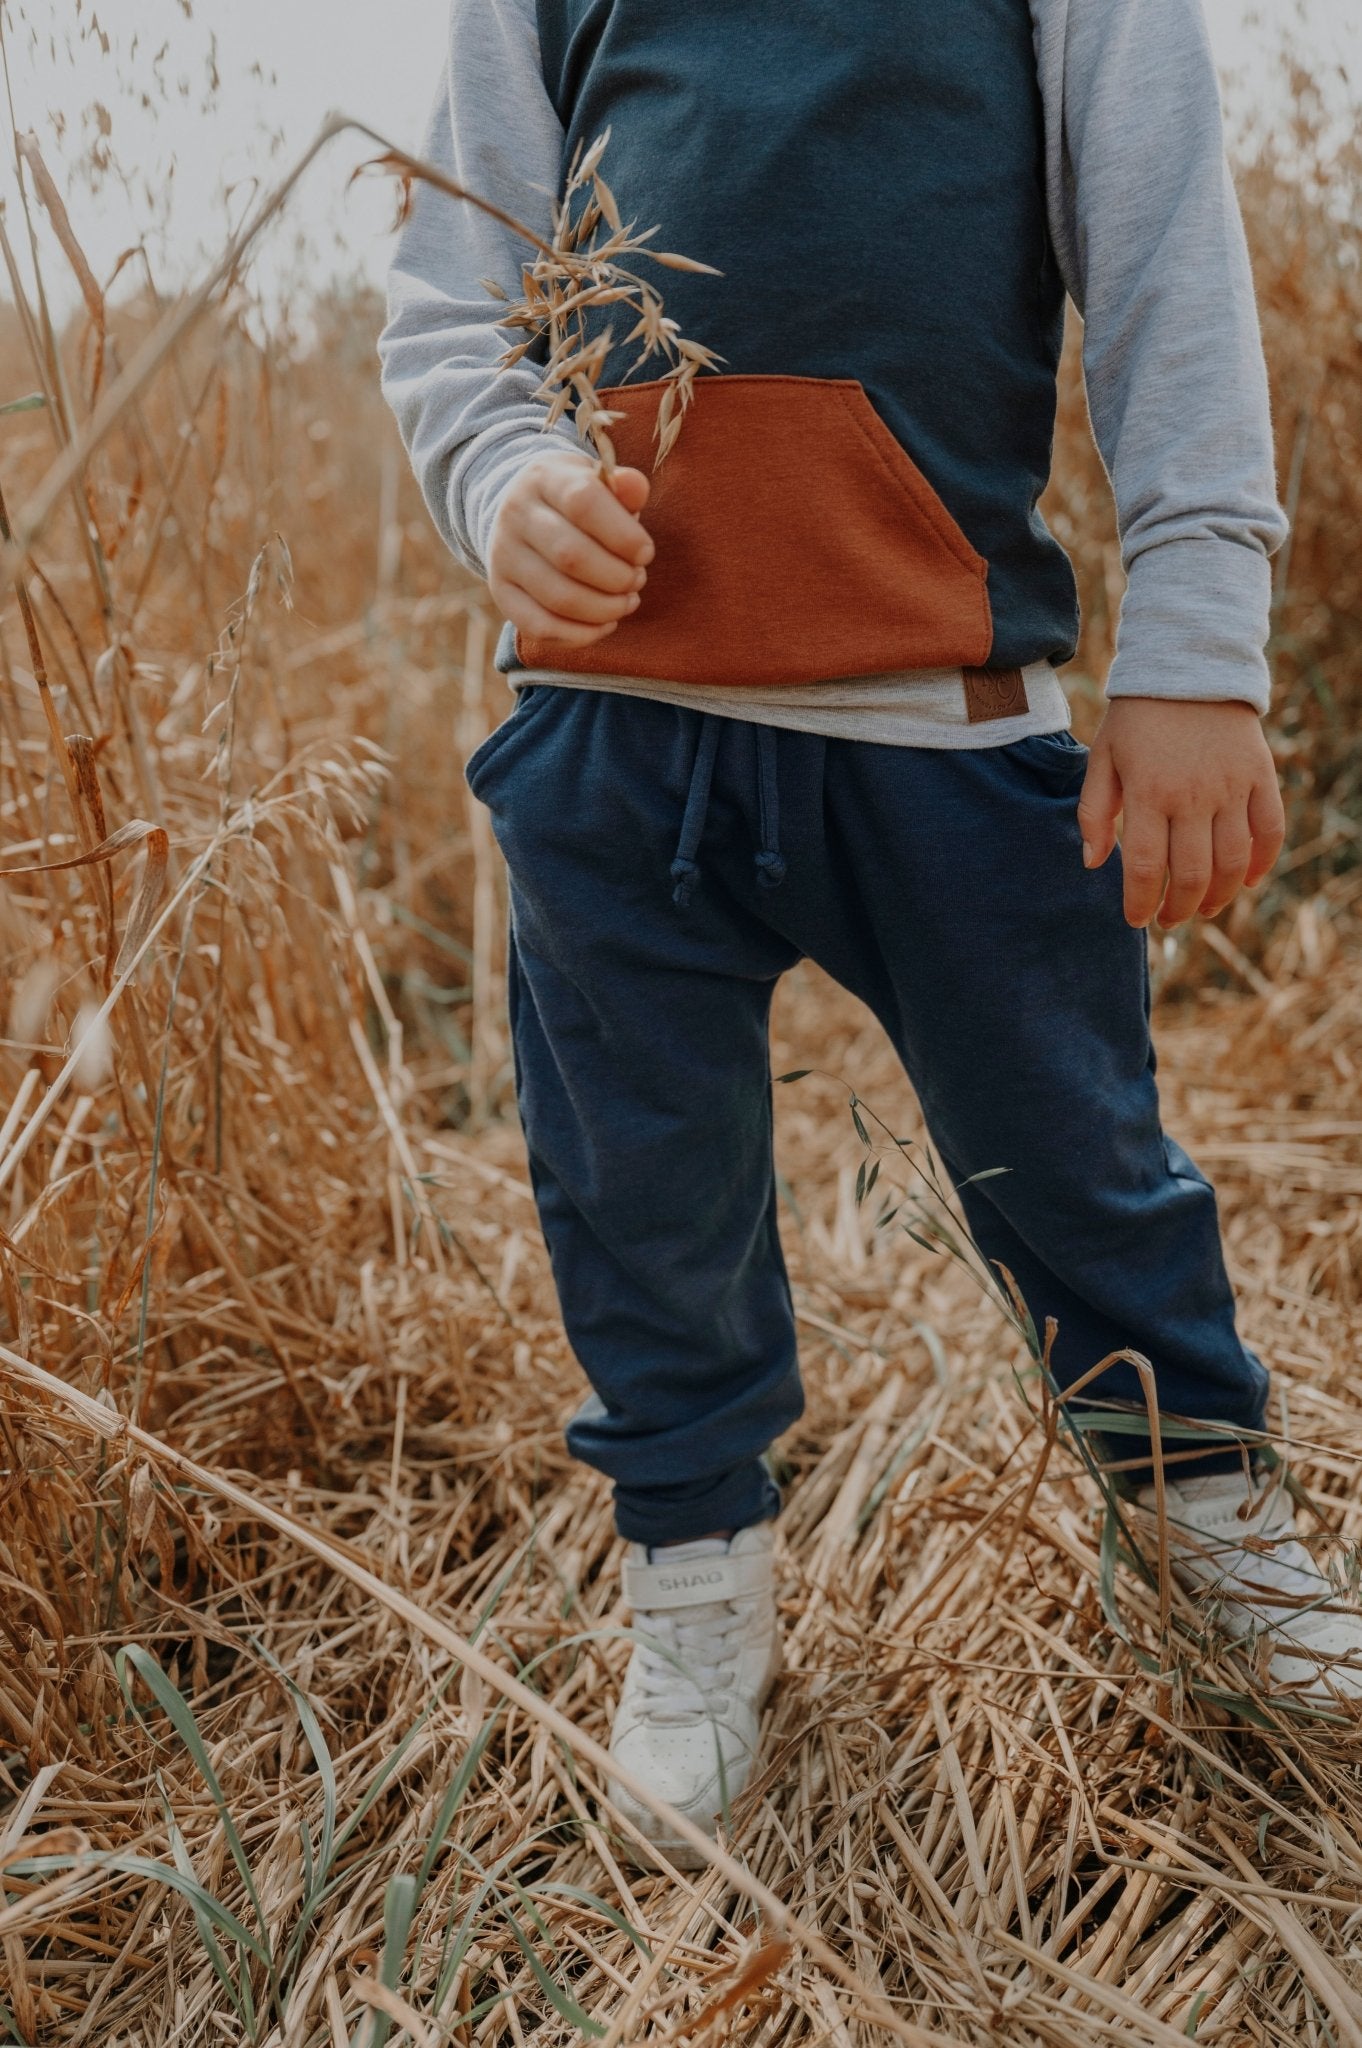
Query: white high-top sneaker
x,y
707,1649
1235,1548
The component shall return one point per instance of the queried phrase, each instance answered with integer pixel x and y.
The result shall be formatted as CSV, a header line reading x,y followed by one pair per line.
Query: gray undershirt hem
x,y
917,708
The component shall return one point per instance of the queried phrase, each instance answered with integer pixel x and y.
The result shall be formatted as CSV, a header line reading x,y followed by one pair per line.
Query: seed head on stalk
x,y
584,268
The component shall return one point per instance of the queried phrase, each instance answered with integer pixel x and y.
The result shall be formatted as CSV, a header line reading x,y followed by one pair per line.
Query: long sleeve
x,y
1151,246
468,425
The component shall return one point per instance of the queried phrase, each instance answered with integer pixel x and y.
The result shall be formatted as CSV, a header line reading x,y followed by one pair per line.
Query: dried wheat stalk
x,y
581,272
575,276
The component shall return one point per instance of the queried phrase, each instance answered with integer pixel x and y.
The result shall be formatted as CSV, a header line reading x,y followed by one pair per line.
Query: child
x,y
796,696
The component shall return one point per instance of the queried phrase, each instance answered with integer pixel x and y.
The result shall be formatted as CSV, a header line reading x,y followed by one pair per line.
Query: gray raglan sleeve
x,y
468,425
1150,241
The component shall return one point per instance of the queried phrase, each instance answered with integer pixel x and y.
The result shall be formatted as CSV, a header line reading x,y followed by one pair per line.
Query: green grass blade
x,y
562,2002
601,1906
399,1910
326,1772
1135,1422
454,1798
455,1947
181,1717
222,1918
393,1763
242,2003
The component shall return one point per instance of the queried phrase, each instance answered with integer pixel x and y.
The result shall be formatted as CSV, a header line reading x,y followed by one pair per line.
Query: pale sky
x,y
184,155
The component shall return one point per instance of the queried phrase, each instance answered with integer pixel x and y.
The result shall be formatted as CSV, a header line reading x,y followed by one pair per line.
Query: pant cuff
x,y
734,1499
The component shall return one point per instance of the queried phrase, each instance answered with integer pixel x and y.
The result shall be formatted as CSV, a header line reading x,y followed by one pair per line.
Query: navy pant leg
x,y
958,907
944,888
643,1076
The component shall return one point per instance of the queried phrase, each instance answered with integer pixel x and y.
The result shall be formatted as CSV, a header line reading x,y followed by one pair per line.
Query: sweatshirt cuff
x,y
487,476
1194,624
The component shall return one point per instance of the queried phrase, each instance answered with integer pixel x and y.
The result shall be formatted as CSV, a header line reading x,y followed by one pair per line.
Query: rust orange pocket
x,y
796,542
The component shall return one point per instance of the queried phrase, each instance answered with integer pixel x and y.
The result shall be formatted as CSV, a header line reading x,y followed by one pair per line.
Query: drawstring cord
x,y
770,862
685,868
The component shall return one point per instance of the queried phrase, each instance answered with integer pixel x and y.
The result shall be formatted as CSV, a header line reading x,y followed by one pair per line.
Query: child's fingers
x,y
563,595
1190,866
576,554
528,615
1099,806
1267,823
585,502
631,487
1232,844
1144,860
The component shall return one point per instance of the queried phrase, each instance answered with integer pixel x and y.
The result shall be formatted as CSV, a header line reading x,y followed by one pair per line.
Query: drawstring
x,y
770,862
685,868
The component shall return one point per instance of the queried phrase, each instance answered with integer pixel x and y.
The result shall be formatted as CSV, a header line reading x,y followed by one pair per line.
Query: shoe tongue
x,y
679,1623
687,1553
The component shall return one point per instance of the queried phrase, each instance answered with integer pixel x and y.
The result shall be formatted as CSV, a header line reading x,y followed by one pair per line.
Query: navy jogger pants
x,y
666,866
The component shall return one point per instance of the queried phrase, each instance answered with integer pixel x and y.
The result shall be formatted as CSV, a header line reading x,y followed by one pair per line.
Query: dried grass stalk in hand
x,y
584,269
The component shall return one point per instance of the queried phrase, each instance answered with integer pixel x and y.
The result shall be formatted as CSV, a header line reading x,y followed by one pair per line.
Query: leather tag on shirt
x,y
994,693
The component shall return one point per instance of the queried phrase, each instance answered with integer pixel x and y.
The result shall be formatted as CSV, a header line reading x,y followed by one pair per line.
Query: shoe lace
x,y
686,1659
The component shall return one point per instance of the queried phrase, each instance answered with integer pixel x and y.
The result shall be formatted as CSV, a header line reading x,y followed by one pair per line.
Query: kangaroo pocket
x,y
796,542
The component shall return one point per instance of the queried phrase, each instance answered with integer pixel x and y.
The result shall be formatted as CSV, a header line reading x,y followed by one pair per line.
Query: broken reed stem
x,y
10,1160
39,668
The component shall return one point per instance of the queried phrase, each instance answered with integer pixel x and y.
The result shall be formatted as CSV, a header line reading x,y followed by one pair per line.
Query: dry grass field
x,y
310,1629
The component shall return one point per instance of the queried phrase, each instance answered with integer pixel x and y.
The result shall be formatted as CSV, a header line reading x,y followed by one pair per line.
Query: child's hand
x,y
1203,814
568,554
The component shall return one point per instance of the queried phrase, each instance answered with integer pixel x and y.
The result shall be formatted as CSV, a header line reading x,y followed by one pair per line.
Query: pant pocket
x,y
1057,758
797,541
487,760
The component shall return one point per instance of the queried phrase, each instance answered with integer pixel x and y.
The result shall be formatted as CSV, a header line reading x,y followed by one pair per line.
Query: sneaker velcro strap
x,y
653,1587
